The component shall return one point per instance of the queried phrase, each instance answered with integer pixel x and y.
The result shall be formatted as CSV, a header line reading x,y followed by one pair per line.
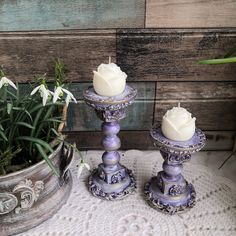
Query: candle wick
x,y
109,60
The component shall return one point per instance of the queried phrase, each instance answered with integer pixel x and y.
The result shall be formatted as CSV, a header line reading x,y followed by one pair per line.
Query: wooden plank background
x,y
173,54
22,15
157,43
26,54
190,13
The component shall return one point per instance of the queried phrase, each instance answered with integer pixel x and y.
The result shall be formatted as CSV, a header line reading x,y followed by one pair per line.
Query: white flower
x,y
59,91
5,81
81,167
44,92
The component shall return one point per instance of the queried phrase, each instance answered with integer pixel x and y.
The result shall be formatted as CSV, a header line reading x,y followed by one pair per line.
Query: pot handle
x,y
67,155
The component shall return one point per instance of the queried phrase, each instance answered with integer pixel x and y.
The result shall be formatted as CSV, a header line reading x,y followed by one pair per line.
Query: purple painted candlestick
x,y
111,180
169,191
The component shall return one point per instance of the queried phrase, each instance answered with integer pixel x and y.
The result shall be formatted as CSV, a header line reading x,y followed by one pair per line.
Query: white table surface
x,y
214,213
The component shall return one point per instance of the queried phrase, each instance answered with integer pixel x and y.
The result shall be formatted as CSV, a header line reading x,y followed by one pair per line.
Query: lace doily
x,y
85,215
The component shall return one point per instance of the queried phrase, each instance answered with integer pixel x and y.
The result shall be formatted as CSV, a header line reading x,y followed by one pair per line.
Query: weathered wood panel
x,y
191,13
216,140
195,90
81,117
74,14
173,54
210,114
25,55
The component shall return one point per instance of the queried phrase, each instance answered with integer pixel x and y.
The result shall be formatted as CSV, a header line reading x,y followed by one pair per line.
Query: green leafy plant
x,y
226,59
31,124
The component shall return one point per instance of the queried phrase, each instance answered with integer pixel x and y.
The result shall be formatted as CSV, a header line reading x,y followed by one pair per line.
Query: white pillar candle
x,y
109,80
178,124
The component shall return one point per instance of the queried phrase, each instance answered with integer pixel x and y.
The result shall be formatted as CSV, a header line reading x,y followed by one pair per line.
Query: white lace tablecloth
x,y
85,215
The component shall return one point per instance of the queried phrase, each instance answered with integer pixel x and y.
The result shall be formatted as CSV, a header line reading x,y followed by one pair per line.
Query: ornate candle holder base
x,y
169,191
122,183
111,180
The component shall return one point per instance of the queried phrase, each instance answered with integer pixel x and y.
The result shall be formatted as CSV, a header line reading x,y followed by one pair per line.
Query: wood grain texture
x,y
195,90
173,54
22,15
25,55
216,140
81,117
191,13
210,114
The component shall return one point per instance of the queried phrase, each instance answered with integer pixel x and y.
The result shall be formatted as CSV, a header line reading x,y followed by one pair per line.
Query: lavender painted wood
x,y
173,54
38,192
25,15
26,55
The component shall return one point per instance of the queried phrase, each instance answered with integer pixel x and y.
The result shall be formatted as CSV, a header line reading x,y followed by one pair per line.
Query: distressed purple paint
x,y
169,191
111,180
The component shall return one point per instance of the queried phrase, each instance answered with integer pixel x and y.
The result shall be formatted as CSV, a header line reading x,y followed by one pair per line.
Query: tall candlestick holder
x,y
111,180
169,191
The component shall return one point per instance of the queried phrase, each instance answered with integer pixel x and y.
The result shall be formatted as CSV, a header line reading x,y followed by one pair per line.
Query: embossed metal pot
x,y
31,196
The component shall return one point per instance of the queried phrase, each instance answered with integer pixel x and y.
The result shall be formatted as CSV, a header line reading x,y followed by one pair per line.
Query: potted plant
x,y
34,157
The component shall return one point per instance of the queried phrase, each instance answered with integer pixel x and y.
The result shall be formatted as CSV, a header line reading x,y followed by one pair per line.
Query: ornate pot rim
x,y
30,168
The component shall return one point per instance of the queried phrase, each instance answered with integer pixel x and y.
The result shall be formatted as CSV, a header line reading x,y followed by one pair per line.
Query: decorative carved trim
x,y
102,175
168,208
29,194
110,115
102,103
98,192
116,178
193,145
173,158
8,203
176,190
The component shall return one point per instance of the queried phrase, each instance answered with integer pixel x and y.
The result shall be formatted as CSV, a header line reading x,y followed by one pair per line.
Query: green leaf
x,y
218,61
55,132
49,162
28,114
36,141
47,105
3,135
25,124
12,94
52,120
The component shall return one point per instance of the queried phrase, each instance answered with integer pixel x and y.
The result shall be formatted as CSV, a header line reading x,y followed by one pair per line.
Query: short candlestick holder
x,y
111,180
169,191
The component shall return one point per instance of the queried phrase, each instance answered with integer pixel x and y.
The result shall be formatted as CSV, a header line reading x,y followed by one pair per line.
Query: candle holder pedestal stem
x,y
111,180
169,191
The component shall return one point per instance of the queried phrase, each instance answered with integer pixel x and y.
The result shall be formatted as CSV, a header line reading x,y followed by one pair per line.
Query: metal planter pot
x,y
31,196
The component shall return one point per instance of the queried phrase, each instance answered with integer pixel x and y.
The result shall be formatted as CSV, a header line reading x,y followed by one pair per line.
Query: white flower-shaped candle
x,y
109,80
178,124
